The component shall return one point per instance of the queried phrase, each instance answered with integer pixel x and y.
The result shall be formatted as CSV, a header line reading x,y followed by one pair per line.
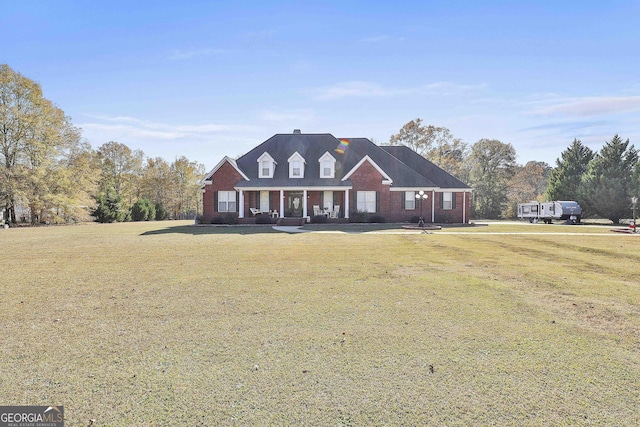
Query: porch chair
x,y
316,210
335,212
255,211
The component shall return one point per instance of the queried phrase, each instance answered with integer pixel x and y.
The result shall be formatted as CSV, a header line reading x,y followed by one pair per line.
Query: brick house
x,y
302,175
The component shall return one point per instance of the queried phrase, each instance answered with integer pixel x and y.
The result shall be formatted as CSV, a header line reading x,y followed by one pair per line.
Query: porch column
x,y
304,203
346,203
281,203
433,206
241,207
464,207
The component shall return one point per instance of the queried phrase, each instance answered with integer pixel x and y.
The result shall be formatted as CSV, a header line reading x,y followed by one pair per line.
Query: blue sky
x,y
205,79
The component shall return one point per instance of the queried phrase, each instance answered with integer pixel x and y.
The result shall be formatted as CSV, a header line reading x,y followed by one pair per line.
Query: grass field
x,y
167,324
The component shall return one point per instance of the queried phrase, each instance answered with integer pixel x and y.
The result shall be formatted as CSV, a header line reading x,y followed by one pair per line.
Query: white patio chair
x,y
335,212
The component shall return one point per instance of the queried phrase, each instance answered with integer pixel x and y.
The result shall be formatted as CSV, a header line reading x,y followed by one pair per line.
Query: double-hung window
x,y
226,201
327,169
366,201
266,166
296,169
327,166
447,201
296,166
409,200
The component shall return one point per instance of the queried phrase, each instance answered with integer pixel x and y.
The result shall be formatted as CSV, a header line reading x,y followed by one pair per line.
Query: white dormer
x,y
266,166
296,165
327,166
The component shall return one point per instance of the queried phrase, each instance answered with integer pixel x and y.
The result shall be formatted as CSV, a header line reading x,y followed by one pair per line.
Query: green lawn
x,y
168,324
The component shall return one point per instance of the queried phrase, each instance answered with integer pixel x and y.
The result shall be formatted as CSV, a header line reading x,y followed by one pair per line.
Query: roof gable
x,y
387,179
226,159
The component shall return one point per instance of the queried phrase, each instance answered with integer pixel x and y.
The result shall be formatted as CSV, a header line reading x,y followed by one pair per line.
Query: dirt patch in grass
x,y
150,324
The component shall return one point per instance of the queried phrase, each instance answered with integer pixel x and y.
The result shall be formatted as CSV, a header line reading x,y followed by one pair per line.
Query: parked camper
x,y
568,211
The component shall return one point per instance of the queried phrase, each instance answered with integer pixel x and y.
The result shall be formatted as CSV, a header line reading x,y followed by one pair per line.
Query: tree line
x,y
602,182
49,173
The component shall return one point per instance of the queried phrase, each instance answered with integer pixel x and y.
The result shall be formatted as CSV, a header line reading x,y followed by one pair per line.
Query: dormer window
x,y
266,166
296,166
327,166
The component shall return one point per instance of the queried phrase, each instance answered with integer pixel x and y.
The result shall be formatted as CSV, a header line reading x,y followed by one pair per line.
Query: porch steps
x,y
291,222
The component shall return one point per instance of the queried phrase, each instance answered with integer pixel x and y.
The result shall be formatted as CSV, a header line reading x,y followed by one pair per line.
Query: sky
x,y
208,79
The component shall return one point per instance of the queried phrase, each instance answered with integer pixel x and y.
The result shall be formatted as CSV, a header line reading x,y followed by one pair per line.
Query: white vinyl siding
x,y
366,201
226,201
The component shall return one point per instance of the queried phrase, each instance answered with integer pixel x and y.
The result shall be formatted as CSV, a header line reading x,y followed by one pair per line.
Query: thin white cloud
x,y
363,89
179,55
115,132
350,89
588,106
132,128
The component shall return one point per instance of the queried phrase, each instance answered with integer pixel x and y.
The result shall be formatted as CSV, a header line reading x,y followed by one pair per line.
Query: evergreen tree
x,y
143,210
110,207
567,175
161,212
607,186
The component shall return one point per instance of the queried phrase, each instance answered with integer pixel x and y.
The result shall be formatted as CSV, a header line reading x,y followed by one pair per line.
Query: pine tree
x,y
607,186
565,178
110,207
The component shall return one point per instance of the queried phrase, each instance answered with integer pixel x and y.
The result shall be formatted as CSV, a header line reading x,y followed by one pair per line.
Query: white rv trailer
x,y
564,210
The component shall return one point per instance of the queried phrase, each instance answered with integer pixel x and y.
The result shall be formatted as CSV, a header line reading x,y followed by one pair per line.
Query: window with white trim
x,y
296,169
296,166
266,166
327,169
327,166
226,201
447,201
409,200
366,201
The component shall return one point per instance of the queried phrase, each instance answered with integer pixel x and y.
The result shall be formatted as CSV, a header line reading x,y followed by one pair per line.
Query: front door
x,y
264,201
294,205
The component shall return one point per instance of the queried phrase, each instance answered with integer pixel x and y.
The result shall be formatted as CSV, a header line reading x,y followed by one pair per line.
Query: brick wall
x,y
223,180
367,178
455,215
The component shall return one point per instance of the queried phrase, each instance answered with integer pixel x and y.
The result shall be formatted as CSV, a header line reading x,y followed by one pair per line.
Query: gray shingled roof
x,y
416,162
404,166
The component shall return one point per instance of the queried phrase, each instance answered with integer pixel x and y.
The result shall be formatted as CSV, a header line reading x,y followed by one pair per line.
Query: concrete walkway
x,y
289,229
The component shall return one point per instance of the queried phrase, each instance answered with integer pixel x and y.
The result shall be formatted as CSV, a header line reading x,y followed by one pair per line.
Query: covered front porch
x,y
294,203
